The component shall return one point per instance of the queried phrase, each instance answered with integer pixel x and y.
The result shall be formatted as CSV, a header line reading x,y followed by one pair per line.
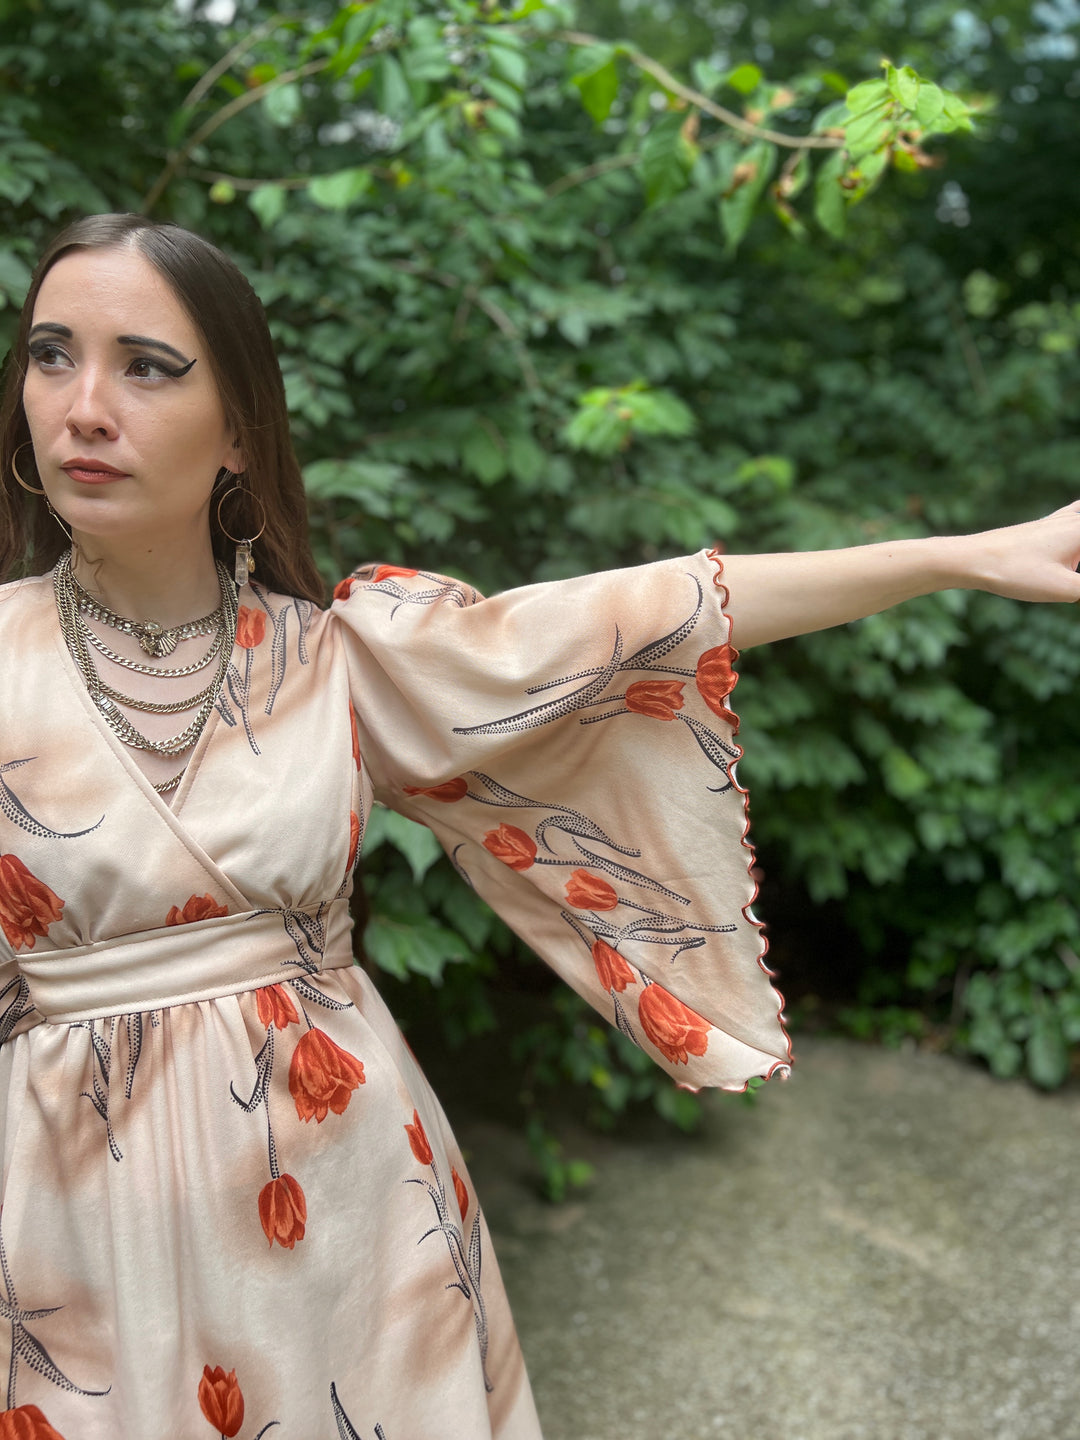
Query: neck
x,y
169,584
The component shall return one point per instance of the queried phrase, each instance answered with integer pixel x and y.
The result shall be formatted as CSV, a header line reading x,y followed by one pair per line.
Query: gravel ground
x,y
886,1247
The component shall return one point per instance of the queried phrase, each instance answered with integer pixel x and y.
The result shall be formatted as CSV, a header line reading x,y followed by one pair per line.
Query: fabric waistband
x,y
179,964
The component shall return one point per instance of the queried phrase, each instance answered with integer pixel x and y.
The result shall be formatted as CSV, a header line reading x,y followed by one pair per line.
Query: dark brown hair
x,y
227,314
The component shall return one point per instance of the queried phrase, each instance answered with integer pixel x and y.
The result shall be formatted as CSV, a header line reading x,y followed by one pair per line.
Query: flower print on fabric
x,y
322,1076
27,905
355,737
275,1007
512,846
589,892
221,1401
677,1031
26,1422
198,907
447,792
466,1259
595,694
283,1211
345,1428
252,626
612,970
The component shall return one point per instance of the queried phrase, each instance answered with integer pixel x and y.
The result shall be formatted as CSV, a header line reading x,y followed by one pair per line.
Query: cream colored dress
x,y
231,1203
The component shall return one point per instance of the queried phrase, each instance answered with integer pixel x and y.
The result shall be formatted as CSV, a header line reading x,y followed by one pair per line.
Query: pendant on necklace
x,y
156,641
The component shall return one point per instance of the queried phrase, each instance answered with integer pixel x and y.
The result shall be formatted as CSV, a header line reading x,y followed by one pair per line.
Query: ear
x,y
233,457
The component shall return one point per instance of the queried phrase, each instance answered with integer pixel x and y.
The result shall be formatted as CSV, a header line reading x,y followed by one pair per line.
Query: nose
x,y
90,412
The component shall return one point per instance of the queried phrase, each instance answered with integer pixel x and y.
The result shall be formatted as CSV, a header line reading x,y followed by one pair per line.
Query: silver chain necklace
x,y
65,588
155,639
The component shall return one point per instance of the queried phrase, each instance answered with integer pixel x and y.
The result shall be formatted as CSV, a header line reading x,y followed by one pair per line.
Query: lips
x,y
92,472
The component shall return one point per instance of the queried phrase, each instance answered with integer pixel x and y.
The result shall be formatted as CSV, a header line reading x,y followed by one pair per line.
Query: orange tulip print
x,y
27,906
283,1211
26,1422
658,698
716,679
198,907
418,1140
250,627
512,846
461,1193
614,972
221,1401
354,838
589,892
447,792
275,1007
322,1076
677,1031
384,572
355,736
343,588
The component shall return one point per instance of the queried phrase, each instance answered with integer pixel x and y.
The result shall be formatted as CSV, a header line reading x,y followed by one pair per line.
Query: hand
x,y
1034,561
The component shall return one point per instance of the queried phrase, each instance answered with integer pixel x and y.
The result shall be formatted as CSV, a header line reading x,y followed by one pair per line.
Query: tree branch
x,y
702,102
204,83
241,102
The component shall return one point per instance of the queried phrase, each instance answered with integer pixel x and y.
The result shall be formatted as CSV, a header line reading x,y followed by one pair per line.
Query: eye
x,y
48,355
146,369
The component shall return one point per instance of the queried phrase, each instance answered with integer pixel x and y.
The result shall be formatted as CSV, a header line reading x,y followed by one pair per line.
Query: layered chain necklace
x,y
74,603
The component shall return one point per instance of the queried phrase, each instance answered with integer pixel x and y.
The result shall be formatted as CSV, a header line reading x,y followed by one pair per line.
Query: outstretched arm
x,y
774,596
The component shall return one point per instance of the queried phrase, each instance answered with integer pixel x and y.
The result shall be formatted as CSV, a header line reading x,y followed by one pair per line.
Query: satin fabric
x,y
231,1202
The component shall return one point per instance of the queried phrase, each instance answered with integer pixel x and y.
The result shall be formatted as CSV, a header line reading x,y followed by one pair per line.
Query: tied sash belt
x,y
180,964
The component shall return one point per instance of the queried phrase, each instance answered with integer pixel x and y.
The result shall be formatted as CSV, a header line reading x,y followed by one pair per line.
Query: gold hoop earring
x,y
244,564
15,470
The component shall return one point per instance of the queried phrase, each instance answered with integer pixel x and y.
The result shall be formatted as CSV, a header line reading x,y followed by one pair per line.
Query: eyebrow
x,y
131,342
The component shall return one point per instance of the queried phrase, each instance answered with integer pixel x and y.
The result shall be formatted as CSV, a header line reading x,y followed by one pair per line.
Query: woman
x,y
231,1201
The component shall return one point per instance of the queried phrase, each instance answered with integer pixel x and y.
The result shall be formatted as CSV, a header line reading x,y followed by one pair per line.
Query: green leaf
x,y
414,841
744,78
391,88
866,96
483,456
14,276
222,192
282,105
867,132
664,159
268,202
509,65
930,103
1046,1053
738,206
598,88
903,86
506,95
830,204
341,189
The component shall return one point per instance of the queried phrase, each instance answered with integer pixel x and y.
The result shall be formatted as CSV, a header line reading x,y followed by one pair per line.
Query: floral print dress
x,y
231,1203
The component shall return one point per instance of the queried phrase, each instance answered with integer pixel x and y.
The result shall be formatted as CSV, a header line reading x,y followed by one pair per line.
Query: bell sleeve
x,y
571,745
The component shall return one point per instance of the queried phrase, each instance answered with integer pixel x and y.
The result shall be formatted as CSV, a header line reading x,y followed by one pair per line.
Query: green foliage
x,y
545,307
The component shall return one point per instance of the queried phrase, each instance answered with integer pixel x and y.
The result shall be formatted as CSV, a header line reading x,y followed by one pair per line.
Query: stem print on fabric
x,y
28,1348
598,687
16,811
466,1259
222,1403
345,1428
385,577
18,1007
250,634
322,1078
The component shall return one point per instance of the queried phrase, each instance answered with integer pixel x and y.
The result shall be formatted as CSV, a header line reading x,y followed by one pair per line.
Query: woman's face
x,y
128,434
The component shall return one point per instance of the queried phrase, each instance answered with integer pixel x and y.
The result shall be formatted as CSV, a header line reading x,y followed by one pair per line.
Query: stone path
x,y
886,1247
